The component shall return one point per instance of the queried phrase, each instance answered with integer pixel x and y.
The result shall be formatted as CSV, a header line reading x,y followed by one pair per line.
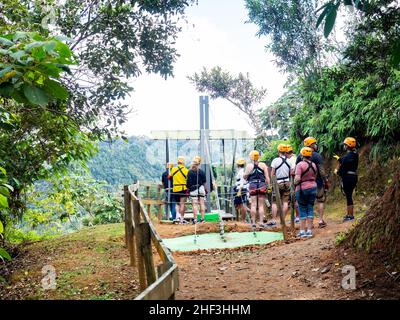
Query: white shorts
x,y
200,192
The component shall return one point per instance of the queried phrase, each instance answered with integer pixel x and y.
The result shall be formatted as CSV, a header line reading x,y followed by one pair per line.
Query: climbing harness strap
x,y
284,161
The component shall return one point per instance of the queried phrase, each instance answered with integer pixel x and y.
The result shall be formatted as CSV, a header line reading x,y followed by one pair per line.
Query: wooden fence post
x,y
126,201
279,205
159,215
147,253
138,239
129,228
148,197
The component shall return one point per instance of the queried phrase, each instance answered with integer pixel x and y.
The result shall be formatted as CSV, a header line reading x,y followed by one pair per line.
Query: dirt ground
x,y
94,264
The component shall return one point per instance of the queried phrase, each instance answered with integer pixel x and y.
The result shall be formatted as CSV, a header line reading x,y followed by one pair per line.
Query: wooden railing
x,y
155,283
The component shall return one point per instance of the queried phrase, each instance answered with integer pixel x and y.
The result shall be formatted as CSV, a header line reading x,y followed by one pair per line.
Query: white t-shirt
x,y
240,181
283,173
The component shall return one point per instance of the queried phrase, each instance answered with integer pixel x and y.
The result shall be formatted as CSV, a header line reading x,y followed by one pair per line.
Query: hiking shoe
x,y
348,218
321,224
308,234
301,234
271,223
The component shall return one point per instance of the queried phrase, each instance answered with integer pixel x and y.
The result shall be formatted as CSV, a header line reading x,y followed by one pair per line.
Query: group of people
x,y
301,181
180,183
304,173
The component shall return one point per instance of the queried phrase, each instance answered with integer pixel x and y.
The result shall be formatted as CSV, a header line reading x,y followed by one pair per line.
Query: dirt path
x,y
298,270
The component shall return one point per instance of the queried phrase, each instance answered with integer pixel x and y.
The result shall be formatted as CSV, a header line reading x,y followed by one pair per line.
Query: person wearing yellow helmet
x,y
323,183
291,159
178,175
347,170
256,173
169,196
282,170
240,199
306,191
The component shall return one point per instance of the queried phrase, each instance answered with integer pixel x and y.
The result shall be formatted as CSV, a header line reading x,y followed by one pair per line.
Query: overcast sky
x,y
215,35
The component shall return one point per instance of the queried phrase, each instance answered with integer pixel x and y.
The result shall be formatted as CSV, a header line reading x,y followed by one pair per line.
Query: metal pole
x,y
167,212
204,137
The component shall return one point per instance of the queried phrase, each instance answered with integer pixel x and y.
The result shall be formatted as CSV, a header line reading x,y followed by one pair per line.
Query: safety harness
x,y
310,167
257,173
284,161
184,175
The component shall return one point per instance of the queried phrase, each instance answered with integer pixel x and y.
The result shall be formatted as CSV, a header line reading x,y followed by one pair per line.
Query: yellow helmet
x,y
282,148
306,152
350,142
181,160
241,162
309,141
289,148
254,155
197,159
169,165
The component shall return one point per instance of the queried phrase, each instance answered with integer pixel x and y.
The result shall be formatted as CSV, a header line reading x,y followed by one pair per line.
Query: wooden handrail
x,y
141,233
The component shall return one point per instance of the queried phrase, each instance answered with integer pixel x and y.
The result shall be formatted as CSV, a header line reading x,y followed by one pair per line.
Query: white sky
x,y
215,35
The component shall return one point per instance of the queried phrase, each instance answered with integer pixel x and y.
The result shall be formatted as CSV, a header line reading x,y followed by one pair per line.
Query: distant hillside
x,y
125,162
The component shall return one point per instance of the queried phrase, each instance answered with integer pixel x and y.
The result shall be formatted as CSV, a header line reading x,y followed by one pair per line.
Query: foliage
x,y
74,196
290,26
113,40
4,194
30,66
123,162
238,90
278,116
359,97
271,152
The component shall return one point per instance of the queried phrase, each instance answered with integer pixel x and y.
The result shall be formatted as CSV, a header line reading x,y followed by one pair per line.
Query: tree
x,y
113,40
290,26
238,90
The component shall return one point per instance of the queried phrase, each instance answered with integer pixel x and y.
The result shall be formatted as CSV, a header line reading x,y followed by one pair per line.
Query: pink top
x,y
309,178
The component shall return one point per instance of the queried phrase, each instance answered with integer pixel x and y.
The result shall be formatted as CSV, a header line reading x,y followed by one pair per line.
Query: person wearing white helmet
x,y
240,200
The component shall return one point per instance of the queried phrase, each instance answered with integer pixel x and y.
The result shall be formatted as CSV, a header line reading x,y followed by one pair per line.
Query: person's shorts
x,y
284,192
243,199
258,188
321,195
179,195
198,193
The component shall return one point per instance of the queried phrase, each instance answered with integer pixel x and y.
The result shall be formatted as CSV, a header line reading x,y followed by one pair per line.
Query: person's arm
x,y
297,177
247,171
266,174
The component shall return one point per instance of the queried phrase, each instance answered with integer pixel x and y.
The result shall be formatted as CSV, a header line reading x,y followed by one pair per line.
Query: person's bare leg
x,y
309,224
182,207
274,211
261,201
253,209
321,207
195,210
202,208
285,209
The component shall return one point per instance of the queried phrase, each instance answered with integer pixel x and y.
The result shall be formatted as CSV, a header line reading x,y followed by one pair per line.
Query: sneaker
x,y
202,220
262,226
194,221
321,224
271,223
301,234
254,226
183,222
297,220
348,218
309,234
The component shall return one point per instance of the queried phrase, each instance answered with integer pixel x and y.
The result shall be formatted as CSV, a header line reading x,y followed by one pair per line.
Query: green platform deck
x,y
213,240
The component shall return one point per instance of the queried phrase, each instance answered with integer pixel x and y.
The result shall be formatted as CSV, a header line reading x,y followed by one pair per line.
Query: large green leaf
x,y
1,227
330,20
3,201
4,191
55,89
4,254
6,42
36,95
